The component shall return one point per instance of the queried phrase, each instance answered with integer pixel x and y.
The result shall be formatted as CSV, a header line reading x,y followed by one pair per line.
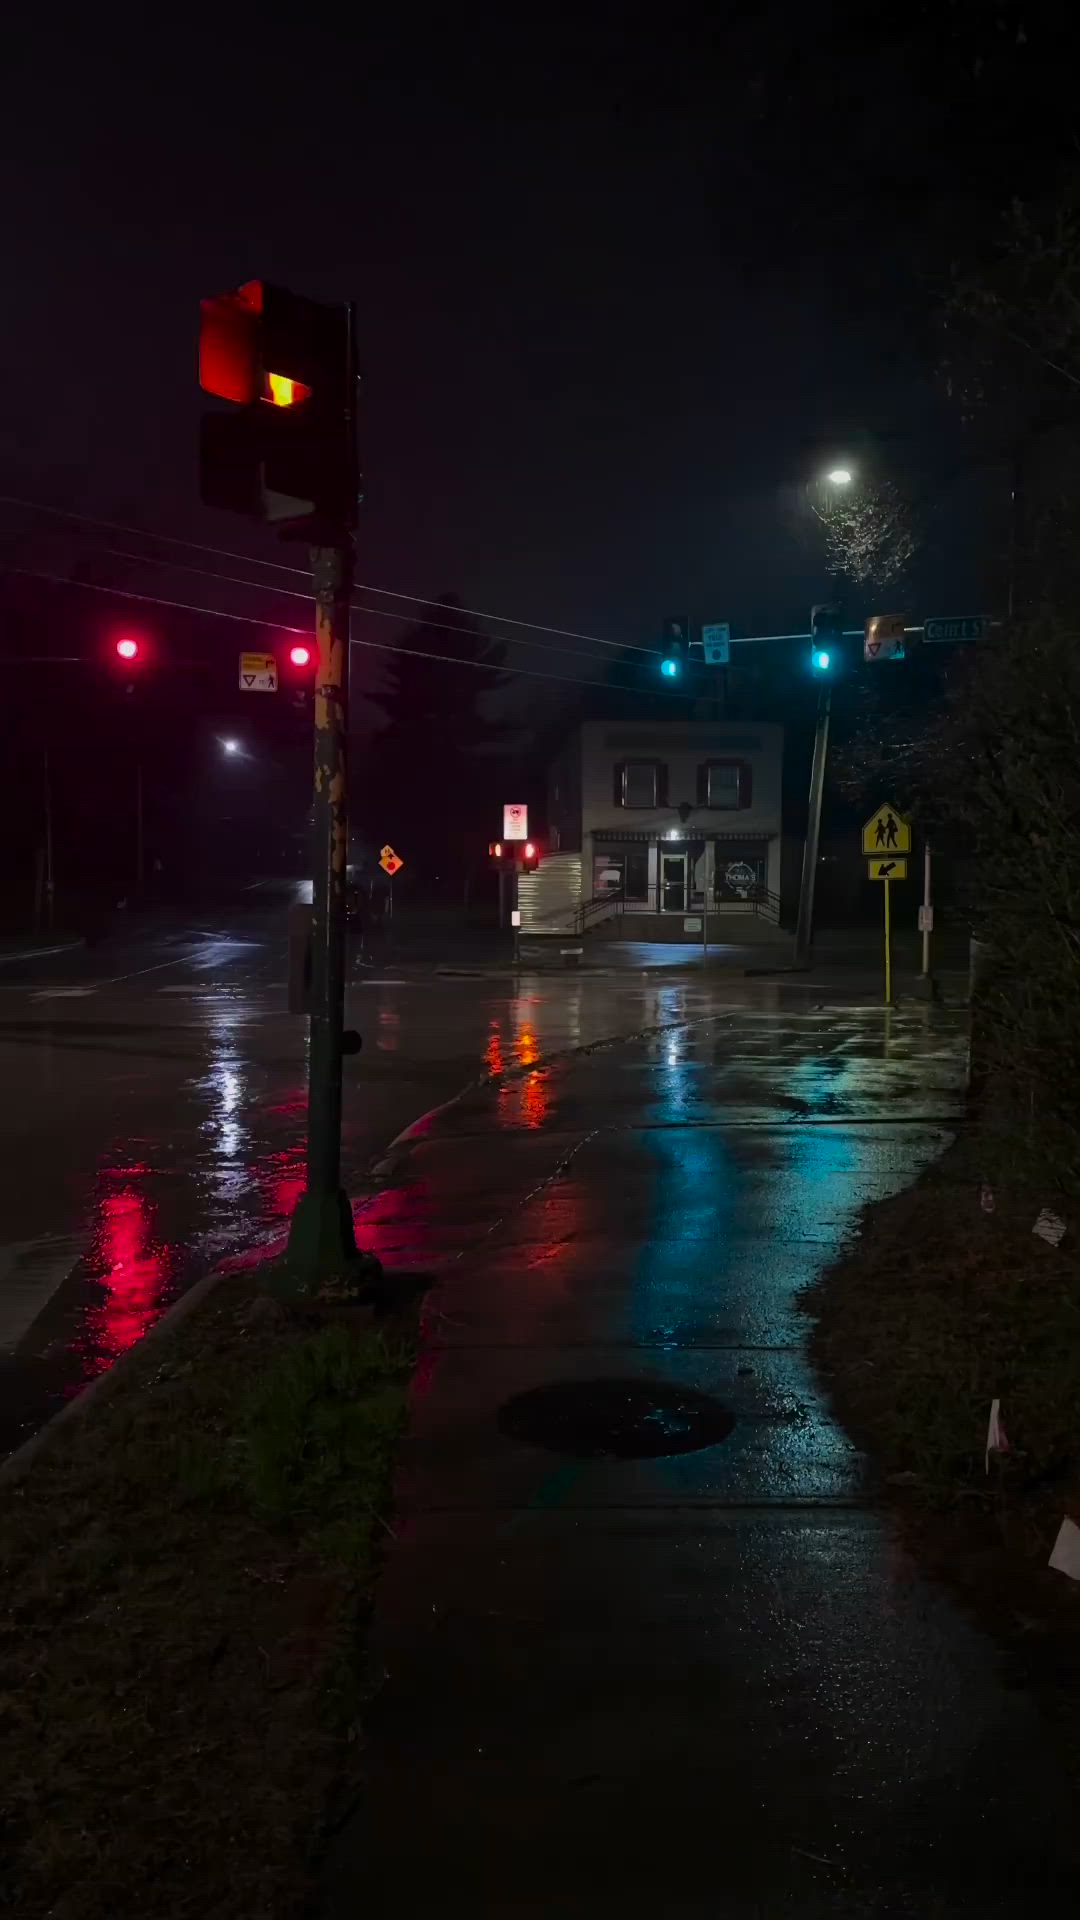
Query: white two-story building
x,y
648,821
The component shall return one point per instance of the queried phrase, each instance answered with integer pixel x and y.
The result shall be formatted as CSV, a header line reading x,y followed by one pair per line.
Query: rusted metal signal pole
x,y
287,454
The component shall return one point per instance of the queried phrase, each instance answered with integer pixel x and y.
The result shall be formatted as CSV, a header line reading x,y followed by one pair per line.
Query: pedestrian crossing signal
x,y
284,452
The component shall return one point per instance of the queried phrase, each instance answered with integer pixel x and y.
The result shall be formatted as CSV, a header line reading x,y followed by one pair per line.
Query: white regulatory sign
x,y
884,639
258,673
716,641
515,822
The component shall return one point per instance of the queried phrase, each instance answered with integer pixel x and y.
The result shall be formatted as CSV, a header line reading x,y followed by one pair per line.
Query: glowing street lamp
x,y
840,476
230,746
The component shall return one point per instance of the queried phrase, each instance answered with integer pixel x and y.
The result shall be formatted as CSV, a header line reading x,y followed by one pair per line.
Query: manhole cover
x,y
616,1419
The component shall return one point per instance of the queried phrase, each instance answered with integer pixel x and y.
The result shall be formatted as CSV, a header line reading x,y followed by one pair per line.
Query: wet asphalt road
x,y
696,1683
153,1113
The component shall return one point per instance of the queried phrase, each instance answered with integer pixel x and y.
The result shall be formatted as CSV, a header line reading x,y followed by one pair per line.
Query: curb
x,y
42,953
17,1463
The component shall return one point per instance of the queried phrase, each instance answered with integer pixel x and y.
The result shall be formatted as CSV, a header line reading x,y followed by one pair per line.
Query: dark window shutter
x,y
661,784
620,774
703,784
746,784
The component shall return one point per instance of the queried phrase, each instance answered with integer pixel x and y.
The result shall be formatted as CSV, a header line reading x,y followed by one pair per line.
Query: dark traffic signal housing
x,y
286,453
675,641
826,640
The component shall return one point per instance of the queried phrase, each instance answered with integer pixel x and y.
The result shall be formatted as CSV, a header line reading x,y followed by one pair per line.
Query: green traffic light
x,y
669,668
821,662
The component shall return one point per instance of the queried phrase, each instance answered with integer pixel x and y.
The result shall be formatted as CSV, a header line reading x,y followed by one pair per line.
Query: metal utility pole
x,y
805,924
286,454
50,889
926,917
321,1238
140,861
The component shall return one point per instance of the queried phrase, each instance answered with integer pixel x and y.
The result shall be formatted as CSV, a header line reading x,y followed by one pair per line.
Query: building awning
x,y
662,836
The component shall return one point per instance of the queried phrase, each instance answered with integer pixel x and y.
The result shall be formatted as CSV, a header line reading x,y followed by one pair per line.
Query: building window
x,y
641,783
724,785
739,874
625,870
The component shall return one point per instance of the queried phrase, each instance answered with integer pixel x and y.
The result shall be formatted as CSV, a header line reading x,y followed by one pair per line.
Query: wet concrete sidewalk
x,y
691,1682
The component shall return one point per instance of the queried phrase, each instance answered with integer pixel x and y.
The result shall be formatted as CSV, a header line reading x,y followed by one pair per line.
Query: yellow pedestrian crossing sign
x,y
886,832
887,869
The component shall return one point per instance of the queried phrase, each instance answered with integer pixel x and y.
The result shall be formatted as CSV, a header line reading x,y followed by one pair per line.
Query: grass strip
x,y
186,1577
939,1307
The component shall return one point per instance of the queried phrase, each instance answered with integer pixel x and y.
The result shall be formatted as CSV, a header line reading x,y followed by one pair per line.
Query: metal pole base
x,y
323,1261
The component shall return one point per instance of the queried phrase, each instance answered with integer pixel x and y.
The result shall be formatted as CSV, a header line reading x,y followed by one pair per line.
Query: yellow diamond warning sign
x,y
390,862
886,832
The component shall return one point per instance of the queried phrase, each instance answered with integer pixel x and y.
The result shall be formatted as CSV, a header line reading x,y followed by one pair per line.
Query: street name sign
x,y
968,626
886,832
258,673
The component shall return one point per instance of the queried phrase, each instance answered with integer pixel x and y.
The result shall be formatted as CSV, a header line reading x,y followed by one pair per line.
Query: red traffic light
x,y
128,649
530,850
300,655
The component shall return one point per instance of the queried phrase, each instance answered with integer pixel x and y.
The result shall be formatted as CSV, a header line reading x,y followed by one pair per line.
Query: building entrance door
x,y
673,882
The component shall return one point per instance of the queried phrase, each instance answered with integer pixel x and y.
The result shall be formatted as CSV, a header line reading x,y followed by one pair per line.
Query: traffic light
x,y
826,640
300,655
674,635
514,853
127,650
286,455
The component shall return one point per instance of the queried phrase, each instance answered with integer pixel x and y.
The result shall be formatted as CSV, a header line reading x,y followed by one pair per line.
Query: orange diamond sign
x,y
390,862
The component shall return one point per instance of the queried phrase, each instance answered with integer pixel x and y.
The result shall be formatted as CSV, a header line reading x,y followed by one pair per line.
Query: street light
x,y
840,476
230,746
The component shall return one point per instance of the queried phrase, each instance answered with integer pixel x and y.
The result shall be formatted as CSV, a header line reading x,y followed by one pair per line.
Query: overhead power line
x,y
378,613
376,646
277,566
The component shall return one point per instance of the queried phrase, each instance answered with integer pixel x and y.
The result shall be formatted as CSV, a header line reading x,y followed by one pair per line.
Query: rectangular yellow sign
x,y
887,869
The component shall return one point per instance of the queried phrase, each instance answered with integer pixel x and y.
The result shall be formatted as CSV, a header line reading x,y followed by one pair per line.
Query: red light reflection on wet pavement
x,y
131,1265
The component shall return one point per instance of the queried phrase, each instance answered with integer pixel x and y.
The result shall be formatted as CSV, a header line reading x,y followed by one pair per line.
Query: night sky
x,y
616,283
622,283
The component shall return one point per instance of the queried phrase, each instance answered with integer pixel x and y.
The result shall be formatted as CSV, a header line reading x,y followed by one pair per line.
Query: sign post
x,y
926,914
391,863
886,838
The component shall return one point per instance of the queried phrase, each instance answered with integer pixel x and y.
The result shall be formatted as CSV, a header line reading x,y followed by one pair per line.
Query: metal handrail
x,y
577,918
